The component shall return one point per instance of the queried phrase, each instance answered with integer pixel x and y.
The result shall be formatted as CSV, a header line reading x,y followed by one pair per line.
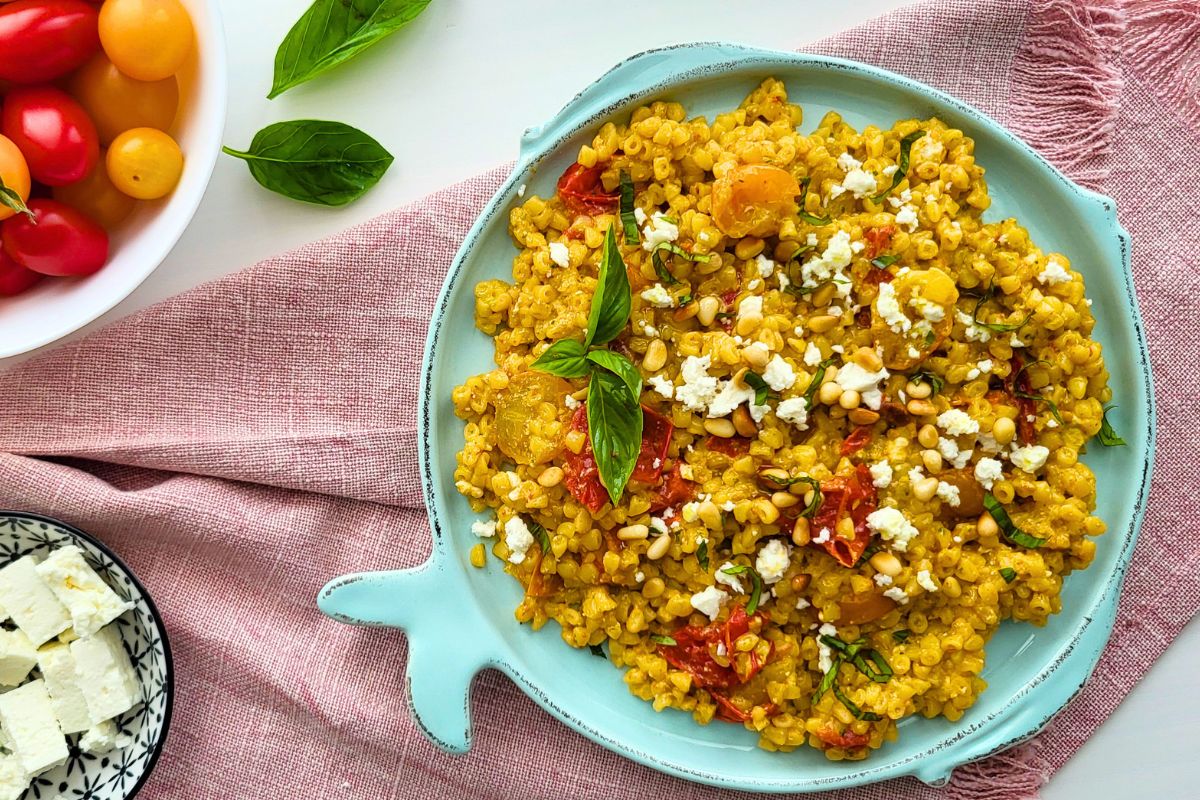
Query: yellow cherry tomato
x,y
148,40
116,102
96,197
14,172
144,163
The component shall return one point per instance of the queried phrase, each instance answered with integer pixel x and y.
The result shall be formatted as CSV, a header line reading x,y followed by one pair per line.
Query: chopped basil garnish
x,y
702,555
755,582
827,681
1108,435
883,262
1049,404
667,640
866,716
620,366
660,269
901,163
1007,526
813,219
868,661
685,300
1008,573
818,376
628,220
873,548
995,327
761,390
901,635
935,381
675,249
565,358
539,533
597,651
613,298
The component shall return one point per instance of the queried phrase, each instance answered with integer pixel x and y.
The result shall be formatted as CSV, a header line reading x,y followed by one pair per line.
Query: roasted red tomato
x,y
656,439
728,712
878,240
60,242
41,40
1026,406
734,446
831,737
583,475
54,133
674,492
850,495
857,440
690,652
14,278
581,190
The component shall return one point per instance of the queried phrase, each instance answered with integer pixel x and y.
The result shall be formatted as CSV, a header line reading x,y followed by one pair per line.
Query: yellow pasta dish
x,y
778,424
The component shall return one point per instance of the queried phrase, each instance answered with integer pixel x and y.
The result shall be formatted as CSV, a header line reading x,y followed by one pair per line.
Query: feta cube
x,y
66,697
773,561
29,600
13,780
102,666
17,657
709,602
103,738
32,731
90,601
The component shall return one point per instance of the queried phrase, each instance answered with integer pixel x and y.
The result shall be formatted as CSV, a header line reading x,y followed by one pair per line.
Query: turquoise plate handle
x,y
441,662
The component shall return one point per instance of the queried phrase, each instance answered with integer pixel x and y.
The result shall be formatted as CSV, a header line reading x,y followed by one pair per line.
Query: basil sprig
x,y
325,163
615,428
1007,526
628,218
756,584
867,660
566,358
621,367
761,390
613,299
1108,435
332,32
901,163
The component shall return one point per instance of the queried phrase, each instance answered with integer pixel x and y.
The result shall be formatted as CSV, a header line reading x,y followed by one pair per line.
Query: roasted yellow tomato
x,y
913,315
528,429
753,200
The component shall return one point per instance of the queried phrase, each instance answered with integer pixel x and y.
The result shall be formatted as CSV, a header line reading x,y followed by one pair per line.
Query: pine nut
x,y
707,310
822,323
831,374
925,489
773,477
927,436
631,532
921,408
987,526
822,296
800,581
748,324
849,399
863,416
800,532
845,528
887,563
756,355
720,427
658,548
933,461
829,393
748,247
743,423
1003,430
918,391
551,476
656,356
784,499
868,359
687,312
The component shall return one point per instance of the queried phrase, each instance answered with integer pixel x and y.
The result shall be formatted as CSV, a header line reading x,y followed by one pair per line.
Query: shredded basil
x,y
539,533
675,249
660,269
755,583
1108,435
873,548
628,219
597,651
702,555
883,262
761,390
813,219
685,300
901,163
1049,404
866,716
1008,573
667,640
901,635
995,327
1007,526
565,358
818,376
935,381
827,681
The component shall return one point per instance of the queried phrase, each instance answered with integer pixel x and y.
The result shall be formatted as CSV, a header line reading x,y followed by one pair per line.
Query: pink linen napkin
x,y
246,441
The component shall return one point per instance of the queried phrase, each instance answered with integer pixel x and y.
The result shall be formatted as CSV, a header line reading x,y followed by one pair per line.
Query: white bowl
x,y
59,306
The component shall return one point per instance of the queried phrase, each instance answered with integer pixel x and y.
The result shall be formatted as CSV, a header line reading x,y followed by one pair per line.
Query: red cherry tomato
x,y
41,40
63,241
54,133
14,278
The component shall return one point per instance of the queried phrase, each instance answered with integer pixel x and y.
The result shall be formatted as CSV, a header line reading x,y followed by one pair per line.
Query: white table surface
x,y
487,60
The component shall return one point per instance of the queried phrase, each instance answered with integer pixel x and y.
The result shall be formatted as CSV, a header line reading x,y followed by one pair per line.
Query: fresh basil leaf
x,y
901,635
660,269
901,163
873,548
871,663
1008,573
702,555
666,640
675,249
613,298
10,199
615,429
755,583
813,219
597,651
326,163
1108,435
827,681
539,533
686,300
1007,526
628,219
620,366
565,358
811,392
867,716
935,381
761,390
884,261
332,32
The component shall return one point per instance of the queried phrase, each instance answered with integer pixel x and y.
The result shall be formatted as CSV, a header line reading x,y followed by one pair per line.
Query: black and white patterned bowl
x,y
118,774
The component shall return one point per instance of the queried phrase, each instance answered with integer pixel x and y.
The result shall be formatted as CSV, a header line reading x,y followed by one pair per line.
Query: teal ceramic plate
x,y
1032,672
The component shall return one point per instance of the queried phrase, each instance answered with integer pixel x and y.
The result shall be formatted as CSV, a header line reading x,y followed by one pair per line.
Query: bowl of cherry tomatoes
x,y
111,117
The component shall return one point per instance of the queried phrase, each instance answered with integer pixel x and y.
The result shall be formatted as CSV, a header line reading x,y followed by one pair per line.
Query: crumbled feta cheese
x,y
882,580
948,493
699,388
729,397
639,215
837,348
709,602
907,216
728,506
518,538
898,200
824,652
661,385
858,182
985,366
956,422
729,580
822,536
1051,423
973,332
521,190
773,560
658,523
829,264
916,474
927,149
852,377
987,443
559,254
892,526
750,306
812,355
1015,342
779,374
930,311
571,403
888,307
881,474
897,594
795,411
658,296
658,231
811,240
1054,274
925,581
765,265
988,471
913,352
482,529
1030,458
890,170
639,576
802,603
848,162
754,285
784,280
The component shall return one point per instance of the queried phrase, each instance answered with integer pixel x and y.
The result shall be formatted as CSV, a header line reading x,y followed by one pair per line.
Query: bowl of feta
x,y
85,666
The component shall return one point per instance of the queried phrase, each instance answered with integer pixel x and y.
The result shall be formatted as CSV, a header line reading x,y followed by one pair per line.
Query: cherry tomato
x,y
96,197
147,39
62,242
752,200
14,278
55,134
117,102
41,40
144,163
14,172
